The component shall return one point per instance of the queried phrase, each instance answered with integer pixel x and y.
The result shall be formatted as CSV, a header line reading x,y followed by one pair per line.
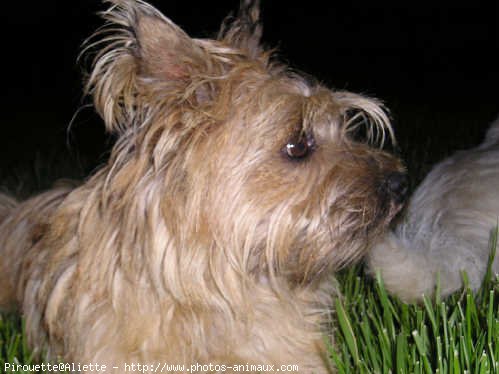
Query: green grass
x,y
13,344
376,333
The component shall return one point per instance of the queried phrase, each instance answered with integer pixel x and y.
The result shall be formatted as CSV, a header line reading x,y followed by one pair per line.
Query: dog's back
x,y
492,137
7,204
447,226
22,225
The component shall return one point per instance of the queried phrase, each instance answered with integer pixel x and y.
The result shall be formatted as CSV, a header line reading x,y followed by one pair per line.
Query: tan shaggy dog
x,y
235,190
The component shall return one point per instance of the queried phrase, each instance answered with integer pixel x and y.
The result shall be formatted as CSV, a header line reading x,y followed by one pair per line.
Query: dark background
x,y
434,65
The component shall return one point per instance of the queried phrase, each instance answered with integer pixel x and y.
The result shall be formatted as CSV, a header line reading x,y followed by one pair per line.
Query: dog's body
x,y
447,227
233,193
106,316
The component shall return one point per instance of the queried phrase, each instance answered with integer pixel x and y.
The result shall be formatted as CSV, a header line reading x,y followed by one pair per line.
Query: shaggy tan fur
x,y
234,192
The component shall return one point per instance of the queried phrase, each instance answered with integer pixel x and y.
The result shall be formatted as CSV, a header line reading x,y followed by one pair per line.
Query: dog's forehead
x,y
296,89
293,98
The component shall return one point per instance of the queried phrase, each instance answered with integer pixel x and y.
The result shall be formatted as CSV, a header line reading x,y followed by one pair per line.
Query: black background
x,y
434,65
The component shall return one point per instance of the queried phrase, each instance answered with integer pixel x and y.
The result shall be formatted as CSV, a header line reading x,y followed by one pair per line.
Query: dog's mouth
x,y
394,211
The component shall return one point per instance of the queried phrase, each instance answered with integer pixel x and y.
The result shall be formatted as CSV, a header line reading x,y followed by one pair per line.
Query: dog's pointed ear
x,y
244,31
143,57
164,50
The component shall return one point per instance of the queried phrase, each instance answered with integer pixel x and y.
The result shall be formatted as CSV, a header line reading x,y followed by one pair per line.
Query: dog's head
x,y
244,164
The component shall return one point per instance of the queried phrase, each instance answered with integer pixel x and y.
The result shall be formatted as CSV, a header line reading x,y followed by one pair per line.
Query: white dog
x,y
447,226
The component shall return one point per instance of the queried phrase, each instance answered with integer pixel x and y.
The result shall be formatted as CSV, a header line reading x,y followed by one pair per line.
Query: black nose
x,y
397,186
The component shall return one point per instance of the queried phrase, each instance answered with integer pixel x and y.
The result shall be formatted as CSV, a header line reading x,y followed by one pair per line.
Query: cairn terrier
x,y
447,227
235,190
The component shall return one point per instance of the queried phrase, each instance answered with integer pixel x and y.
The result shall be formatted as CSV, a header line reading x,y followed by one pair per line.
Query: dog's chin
x,y
393,213
388,212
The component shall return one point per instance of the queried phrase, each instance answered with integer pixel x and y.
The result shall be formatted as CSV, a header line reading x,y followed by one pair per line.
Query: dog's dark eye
x,y
300,147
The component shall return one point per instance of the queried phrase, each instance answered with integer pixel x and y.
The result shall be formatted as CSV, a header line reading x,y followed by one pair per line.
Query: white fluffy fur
x,y
447,226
